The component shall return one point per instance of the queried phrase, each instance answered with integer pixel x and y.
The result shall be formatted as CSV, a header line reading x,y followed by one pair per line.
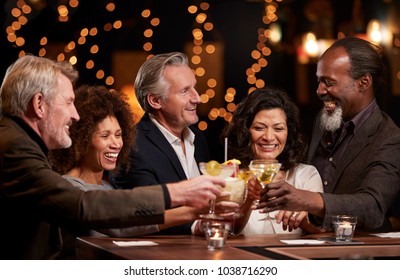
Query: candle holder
x,y
216,233
344,227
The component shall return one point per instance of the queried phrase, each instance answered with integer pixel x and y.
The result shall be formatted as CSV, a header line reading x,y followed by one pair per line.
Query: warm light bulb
x,y
311,45
374,31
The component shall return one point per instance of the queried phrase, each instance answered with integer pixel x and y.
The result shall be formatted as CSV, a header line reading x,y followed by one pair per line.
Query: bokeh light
x,y
203,49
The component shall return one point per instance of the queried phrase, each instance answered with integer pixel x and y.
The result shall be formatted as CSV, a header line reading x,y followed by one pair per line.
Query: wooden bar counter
x,y
256,247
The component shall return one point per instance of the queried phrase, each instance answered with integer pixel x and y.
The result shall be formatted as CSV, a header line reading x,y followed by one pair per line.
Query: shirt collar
x,y
188,134
363,115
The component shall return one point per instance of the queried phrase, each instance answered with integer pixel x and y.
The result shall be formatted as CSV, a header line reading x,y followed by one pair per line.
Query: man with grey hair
x,y
168,148
37,107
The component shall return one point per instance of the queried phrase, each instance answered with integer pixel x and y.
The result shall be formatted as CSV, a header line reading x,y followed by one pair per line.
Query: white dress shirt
x,y
187,160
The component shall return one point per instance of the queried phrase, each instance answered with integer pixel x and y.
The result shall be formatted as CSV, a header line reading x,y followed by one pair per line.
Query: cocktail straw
x,y
226,155
226,149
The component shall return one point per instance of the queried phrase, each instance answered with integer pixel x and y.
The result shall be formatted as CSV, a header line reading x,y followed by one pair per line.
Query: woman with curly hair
x,y
103,113
266,125
101,141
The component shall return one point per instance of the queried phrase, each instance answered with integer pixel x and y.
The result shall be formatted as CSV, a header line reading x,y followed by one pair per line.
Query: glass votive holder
x,y
344,226
216,233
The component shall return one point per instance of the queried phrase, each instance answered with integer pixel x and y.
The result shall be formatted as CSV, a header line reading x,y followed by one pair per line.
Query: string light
x,y
268,33
23,11
203,27
202,49
148,33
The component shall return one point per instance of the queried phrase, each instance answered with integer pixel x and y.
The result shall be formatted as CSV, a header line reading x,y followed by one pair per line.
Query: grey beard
x,y
332,122
61,139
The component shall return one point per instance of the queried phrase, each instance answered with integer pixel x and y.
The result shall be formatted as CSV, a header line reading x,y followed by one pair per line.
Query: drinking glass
x,y
344,226
236,186
216,233
222,171
265,171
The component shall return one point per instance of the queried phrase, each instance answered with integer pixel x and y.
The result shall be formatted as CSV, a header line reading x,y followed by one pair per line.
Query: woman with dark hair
x,y
266,125
101,141
97,105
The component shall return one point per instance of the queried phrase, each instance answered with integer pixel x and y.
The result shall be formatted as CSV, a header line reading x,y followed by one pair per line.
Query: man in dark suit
x,y
158,163
168,148
355,146
37,108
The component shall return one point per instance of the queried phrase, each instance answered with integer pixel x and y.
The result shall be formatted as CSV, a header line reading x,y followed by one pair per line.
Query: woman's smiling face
x,y
268,133
106,145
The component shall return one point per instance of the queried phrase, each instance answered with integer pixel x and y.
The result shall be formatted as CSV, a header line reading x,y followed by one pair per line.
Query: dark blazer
x,y
154,161
367,179
35,201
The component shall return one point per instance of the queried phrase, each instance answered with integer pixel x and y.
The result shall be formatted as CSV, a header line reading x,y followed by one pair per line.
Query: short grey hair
x,y
150,79
27,76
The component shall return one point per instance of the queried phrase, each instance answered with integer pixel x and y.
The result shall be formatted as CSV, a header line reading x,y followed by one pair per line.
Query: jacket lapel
x,y
359,141
315,140
154,136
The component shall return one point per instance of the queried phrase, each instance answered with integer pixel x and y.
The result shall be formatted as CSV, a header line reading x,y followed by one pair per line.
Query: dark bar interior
x,y
234,45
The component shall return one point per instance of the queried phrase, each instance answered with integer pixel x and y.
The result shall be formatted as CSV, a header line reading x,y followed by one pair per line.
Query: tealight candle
x,y
216,241
216,234
344,226
344,231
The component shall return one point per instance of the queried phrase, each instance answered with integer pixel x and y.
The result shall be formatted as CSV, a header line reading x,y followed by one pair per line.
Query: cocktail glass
x,y
222,171
236,186
265,171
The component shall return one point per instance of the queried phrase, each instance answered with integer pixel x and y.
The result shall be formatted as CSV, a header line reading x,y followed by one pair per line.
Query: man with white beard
x,y
355,146
331,122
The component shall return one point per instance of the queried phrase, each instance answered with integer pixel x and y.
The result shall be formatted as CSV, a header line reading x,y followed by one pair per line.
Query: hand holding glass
x,y
265,170
222,171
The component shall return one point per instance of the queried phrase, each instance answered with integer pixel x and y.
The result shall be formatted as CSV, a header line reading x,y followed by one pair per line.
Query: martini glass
x,y
265,171
222,171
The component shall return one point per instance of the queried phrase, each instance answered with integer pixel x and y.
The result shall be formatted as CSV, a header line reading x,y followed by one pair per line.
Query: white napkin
x,y
134,243
388,234
303,241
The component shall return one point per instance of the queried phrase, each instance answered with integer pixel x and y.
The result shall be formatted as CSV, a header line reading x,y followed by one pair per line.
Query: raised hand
x,y
283,196
195,192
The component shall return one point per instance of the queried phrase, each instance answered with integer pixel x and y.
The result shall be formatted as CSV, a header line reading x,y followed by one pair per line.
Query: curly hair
x,y
94,104
238,133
